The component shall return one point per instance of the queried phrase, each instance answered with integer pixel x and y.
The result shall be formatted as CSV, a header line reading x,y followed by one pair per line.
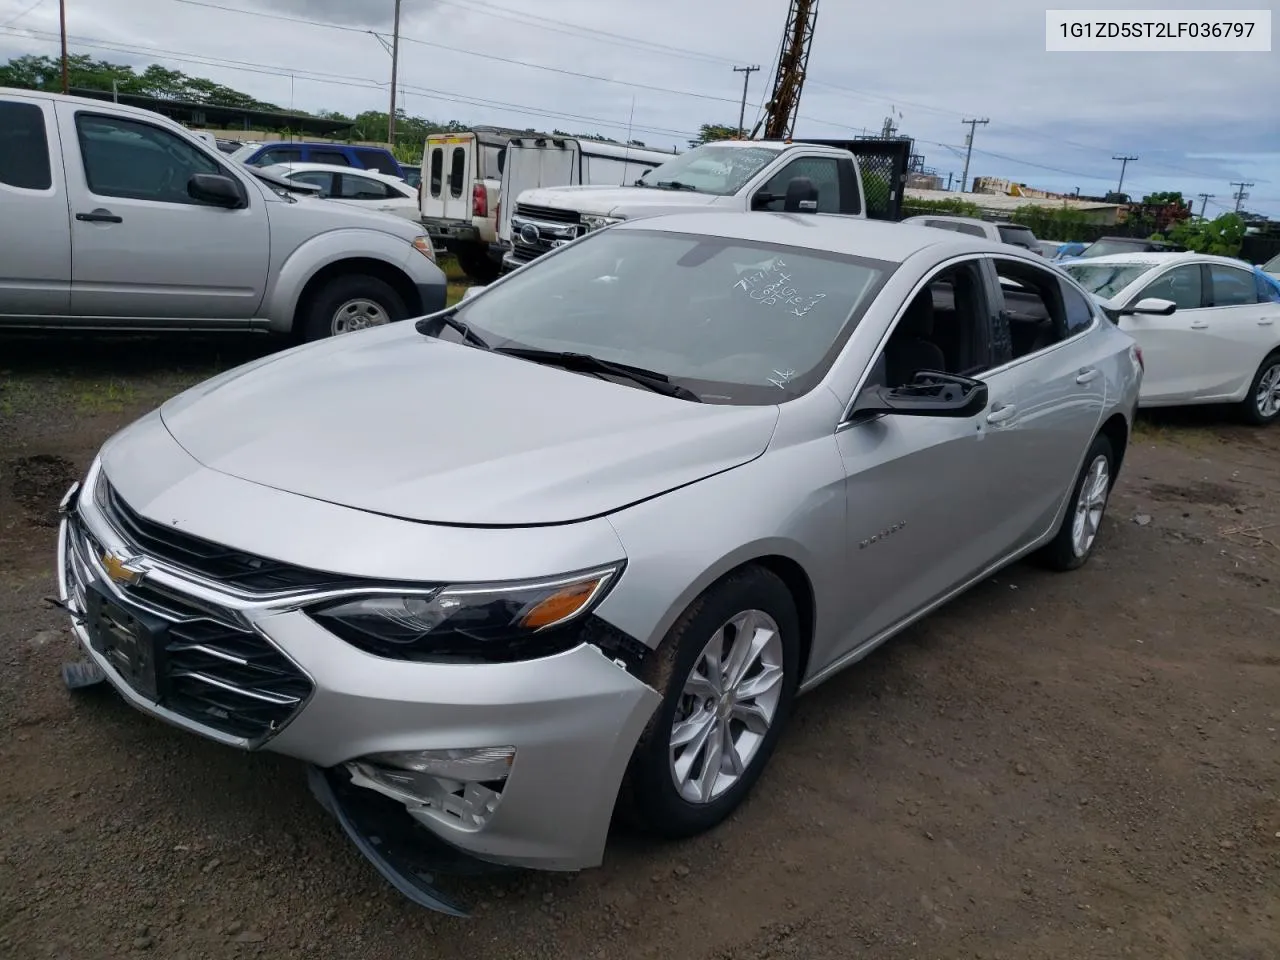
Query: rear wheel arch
x,y
1116,429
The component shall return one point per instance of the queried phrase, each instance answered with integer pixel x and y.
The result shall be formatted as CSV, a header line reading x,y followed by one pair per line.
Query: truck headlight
x,y
422,244
596,223
491,623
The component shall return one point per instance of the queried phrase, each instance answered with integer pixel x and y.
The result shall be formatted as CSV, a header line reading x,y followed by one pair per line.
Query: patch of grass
x,y
1177,432
452,270
456,290
107,396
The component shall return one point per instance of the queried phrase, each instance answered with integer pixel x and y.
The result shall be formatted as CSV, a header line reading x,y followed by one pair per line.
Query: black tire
x,y
1248,408
1061,552
477,264
318,317
651,801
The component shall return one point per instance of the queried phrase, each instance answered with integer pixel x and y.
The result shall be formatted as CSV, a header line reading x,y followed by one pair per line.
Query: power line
x,y
362,83
1124,162
973,126
22,13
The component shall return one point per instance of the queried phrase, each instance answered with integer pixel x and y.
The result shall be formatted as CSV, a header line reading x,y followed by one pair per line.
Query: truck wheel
x,y
351,302
477,264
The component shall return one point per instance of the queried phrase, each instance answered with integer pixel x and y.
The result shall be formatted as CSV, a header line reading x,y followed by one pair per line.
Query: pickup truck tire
x,y
351,302
477,264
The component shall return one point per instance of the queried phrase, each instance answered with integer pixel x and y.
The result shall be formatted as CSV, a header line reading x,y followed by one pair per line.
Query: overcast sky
x,y
1195,121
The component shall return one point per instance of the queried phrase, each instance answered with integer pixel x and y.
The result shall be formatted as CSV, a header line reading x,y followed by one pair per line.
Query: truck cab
x,y
718,176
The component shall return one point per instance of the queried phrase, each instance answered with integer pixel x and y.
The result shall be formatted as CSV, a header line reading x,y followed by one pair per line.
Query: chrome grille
x,y
212,668
550,214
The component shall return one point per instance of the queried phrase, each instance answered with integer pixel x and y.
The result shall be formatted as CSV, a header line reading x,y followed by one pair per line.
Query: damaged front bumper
x,y
257,677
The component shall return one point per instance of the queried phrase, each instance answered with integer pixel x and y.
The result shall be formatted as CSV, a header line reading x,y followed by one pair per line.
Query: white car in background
x,y
1209,327
362,188
1001,231
1272,266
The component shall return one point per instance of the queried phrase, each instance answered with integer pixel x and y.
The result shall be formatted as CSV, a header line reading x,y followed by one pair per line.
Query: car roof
x,y
948,219
1161,258
835,233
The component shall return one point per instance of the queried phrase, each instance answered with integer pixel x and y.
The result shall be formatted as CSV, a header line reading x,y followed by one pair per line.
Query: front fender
x,y
326,249
789,503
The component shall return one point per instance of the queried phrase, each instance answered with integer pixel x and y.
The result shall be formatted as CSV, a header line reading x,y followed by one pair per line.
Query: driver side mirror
x,y
216,190
931,394
1151,306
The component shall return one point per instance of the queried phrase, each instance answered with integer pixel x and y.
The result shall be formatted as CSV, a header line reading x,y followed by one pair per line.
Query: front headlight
x,y
422,244
493,623
596,223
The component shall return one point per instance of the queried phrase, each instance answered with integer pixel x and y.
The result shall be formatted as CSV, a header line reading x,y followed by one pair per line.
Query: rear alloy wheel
x,y
1261,405
728,671
349,303
1078,535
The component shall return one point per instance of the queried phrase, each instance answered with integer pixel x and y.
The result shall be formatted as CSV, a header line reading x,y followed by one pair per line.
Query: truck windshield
x,y
711,168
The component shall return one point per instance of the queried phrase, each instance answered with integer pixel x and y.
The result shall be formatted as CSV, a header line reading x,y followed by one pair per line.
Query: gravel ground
x,y
1066,766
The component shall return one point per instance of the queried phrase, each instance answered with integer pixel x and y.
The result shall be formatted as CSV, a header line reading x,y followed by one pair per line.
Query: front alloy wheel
x,y
727,671
727,706
1262,404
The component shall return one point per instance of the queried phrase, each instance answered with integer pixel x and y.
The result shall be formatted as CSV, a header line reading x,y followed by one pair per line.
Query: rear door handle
x,y
1200,325
1002,414
1084,376
99,216
1267,322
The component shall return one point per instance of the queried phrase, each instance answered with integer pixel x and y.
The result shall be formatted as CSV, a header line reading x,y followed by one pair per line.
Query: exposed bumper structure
x,y
263,674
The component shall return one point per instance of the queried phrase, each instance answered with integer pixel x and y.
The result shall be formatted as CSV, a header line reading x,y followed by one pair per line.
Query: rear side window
x,y
437,170
362,188
335,157
24,149
378,160
1077,310
279,155
1019,236
457,171
1231,287
492,161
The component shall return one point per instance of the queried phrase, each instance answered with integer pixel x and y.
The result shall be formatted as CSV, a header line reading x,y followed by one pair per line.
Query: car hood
x,y
616,201
405,425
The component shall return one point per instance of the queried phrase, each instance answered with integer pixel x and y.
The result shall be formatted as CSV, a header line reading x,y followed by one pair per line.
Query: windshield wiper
x,y
432,325
675,185
585,363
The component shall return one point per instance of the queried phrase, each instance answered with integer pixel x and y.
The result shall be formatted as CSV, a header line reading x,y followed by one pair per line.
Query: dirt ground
x,y
1066,766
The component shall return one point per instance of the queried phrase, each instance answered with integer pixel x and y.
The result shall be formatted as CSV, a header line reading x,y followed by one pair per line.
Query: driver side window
x,y
942,328
126,158
824,173
1182,285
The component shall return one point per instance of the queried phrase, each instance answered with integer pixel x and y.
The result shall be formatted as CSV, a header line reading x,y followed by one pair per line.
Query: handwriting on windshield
x,y
773,287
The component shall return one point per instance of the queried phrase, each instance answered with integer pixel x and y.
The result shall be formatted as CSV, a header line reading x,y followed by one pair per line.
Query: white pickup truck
x,y
718,176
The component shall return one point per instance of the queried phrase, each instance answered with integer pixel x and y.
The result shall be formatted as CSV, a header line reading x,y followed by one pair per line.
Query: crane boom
x,y
779,119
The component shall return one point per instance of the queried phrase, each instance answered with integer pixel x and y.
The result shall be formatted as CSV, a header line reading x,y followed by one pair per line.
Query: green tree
x,y
713,131
1166,197
911,207
1222,236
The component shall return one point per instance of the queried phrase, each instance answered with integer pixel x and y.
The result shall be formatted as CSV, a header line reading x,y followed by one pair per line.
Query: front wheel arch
x,y
354,266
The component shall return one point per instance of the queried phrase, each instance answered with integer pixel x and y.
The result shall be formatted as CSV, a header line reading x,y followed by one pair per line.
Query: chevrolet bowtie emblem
x,y
123,570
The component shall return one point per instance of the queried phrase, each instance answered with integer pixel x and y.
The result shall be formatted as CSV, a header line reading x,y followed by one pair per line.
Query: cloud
x,y
1197,121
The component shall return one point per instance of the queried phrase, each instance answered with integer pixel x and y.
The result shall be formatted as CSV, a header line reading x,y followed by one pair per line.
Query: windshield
x,y
1105,248
1272,265
1105,280
711,168
732,320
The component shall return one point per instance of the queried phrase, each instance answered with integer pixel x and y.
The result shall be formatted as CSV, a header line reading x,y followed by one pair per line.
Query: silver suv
x,y
118,218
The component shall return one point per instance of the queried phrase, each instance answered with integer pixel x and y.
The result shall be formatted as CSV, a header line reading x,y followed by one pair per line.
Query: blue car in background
x,y
339,154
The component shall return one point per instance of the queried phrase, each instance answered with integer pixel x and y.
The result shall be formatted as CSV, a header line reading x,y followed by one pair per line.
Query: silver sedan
x,y
579,542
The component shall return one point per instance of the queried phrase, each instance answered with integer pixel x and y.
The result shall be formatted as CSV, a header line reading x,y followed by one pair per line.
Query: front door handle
x,y
1199,325
1266,322
99,216
1002,414
1087,374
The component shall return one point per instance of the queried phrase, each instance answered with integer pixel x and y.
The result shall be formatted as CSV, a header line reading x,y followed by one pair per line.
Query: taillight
x,y
479,201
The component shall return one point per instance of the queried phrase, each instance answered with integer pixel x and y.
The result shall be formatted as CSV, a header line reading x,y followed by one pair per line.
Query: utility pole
x,y
1241,196
973,126
1204,199
62,23
1124,162
949,176
395,62
742,114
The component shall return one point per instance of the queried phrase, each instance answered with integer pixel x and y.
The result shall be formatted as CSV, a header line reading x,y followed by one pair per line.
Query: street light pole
x,y
395,62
